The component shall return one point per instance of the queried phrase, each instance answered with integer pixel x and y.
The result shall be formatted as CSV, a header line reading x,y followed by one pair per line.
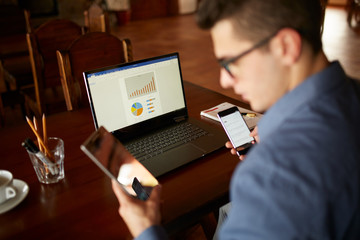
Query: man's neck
x,y
307,66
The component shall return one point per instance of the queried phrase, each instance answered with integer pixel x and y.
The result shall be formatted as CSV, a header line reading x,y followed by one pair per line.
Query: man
x,y
301,181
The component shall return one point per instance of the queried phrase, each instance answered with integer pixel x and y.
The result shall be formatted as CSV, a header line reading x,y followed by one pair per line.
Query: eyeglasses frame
x,y
224,63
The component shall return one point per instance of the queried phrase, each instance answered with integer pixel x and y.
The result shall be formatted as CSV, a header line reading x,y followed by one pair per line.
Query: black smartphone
x,y
141,192
236,129
117,163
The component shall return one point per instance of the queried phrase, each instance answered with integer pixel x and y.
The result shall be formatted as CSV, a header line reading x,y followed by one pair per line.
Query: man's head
x,y
257,19
273,34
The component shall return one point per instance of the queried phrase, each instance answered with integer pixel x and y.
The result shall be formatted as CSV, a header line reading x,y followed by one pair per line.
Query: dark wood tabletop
x,y
83,204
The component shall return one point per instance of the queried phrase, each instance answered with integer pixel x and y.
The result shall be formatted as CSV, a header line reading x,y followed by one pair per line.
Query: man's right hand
x,y
253,133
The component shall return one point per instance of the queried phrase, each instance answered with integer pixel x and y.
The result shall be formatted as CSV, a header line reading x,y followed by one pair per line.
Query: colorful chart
x,y
140,85
148,88
137,109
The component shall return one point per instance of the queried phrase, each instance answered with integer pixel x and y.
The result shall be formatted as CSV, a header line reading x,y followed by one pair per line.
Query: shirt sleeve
x,y
153,233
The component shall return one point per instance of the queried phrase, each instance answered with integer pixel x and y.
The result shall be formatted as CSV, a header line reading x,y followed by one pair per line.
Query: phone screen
x,y
235,127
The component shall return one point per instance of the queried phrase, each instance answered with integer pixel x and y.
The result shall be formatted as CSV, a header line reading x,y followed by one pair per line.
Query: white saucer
x,y
22,189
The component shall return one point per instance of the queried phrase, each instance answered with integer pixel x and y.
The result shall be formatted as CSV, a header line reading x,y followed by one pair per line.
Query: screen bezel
x,y
130,132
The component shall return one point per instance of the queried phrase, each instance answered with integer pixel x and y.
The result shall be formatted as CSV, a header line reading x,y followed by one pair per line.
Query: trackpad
x,y
173,159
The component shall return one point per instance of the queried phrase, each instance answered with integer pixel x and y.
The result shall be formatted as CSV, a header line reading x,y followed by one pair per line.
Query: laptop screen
x,y
131,93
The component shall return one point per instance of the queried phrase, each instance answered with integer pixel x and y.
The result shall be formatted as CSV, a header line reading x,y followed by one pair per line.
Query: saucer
x,y
22,189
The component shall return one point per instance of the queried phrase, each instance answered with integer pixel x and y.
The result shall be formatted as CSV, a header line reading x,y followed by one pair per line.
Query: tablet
x,y
117,163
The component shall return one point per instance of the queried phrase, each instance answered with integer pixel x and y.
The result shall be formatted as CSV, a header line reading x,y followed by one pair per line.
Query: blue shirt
x,y
302,180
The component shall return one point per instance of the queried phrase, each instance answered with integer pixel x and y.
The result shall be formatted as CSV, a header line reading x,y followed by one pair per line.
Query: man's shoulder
x,y
309,143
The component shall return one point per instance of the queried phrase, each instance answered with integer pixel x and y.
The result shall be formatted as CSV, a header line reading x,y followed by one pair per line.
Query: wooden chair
x,y
96,19
90,51
47,96
14,24
15,69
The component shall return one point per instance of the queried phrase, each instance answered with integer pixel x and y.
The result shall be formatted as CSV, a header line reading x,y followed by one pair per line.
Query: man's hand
x,y
137,214
233,151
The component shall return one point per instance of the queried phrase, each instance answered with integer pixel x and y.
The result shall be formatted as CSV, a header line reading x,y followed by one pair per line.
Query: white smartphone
x,y
117,163
236,129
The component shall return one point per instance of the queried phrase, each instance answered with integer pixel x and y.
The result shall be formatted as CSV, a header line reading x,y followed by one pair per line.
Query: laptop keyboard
x,y
165,140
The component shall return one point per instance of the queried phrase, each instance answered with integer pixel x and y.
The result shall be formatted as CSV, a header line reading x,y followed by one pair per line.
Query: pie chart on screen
x,y
137,109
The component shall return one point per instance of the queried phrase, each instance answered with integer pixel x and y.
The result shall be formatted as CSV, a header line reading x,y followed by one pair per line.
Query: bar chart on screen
x,y
140,85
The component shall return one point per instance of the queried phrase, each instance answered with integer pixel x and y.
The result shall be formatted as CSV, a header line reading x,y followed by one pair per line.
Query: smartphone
x,y
117,163
141,192
236,129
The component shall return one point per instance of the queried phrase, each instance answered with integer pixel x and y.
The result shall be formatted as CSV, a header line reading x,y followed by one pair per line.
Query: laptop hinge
x,y
179,119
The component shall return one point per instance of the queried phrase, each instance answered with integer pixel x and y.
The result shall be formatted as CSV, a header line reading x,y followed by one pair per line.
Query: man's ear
x,y
286,46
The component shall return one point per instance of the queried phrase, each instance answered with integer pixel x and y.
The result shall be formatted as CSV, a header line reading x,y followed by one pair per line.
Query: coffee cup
x,y
7,190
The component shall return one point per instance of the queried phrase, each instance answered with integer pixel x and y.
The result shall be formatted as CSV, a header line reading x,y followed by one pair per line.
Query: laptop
x,y
140,102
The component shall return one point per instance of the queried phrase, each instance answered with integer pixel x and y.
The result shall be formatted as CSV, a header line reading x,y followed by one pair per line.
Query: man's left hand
x,y
137,214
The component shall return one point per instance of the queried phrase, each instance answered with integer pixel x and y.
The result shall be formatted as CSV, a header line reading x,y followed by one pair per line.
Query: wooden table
x,y
83,204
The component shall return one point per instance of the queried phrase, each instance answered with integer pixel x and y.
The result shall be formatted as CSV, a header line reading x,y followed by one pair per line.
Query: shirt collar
x,y
311,88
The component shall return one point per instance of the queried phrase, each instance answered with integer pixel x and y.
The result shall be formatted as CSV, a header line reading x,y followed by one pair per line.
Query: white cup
x,y
7,189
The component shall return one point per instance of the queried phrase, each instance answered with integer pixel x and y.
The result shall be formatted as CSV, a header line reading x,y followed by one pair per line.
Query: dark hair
x,y
258,19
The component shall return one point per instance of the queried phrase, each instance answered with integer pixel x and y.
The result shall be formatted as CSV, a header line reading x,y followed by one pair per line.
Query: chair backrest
x,y
43,42
14,24
13,21
96,19
90,51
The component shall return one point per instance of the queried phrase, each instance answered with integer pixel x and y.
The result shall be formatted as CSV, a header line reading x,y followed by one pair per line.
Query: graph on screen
x,y
150,105
140,85
137,109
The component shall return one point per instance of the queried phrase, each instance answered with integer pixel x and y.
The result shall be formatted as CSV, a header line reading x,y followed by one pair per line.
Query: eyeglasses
x,y
226,62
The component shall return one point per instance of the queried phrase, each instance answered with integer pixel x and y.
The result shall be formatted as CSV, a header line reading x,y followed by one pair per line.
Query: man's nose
x,y
226,81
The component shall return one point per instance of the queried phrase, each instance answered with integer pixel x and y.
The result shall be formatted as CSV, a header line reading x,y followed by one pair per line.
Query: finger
x,y
119,192
254,132
115,188
228,144
233,151
156,194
